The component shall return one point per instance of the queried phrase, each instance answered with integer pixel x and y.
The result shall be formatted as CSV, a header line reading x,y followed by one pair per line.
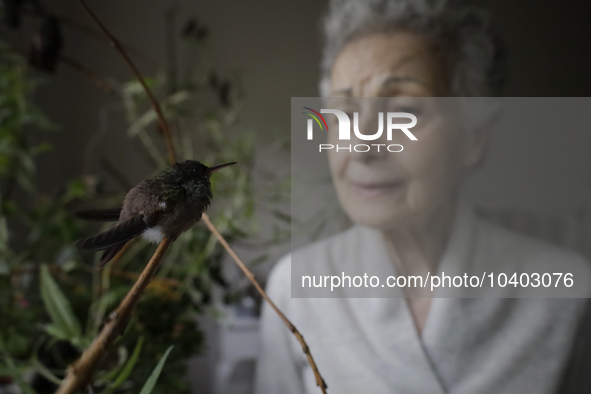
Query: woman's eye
x,y
416,111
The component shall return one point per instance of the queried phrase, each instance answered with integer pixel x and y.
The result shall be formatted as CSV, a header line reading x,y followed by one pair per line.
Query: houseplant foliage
x,y
52,299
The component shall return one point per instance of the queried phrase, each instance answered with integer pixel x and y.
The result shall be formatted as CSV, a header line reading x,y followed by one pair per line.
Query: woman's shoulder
x,y
513,242
280,274
507,247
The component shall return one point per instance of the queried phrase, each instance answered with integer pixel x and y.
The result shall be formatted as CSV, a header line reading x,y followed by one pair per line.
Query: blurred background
x,y
226,72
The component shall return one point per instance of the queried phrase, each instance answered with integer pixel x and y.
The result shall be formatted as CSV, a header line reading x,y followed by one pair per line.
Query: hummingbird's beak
x,y
210,170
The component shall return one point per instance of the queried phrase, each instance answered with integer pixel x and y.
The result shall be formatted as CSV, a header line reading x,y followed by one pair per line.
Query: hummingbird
x,y
165,205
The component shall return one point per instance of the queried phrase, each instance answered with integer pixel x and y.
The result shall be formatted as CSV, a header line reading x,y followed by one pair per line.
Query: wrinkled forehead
x,y
389,64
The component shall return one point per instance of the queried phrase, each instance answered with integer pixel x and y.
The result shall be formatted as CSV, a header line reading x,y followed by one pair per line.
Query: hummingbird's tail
x,y
109,254
114,239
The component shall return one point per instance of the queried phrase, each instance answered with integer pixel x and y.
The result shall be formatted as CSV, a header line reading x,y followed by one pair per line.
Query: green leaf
x,y
151,382
143,121
27,162
46,373
24,180
130,364
41,148
55,331
14,372
76,189
110,375
4,267
58,307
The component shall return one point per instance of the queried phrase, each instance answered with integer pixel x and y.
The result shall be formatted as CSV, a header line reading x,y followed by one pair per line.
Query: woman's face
x,y
389,190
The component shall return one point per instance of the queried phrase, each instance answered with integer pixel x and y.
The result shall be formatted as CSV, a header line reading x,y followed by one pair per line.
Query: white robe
x,y
468,345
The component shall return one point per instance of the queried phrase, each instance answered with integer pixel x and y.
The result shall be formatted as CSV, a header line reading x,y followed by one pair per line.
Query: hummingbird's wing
x,y
100,215
119,234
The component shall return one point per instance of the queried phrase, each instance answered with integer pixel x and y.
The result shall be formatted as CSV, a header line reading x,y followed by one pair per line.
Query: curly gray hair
x,y
464,35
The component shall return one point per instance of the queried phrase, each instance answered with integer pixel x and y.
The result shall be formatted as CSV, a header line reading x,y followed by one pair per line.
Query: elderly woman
x,y
407,205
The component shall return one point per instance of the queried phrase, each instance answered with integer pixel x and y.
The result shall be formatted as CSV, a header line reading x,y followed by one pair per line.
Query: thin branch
x,y
89,32
80,373
117,45
319,380
94,78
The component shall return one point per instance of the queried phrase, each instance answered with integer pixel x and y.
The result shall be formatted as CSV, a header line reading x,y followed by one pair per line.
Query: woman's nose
x,y
368,136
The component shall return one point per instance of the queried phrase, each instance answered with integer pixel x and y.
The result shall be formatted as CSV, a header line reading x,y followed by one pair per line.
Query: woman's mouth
x,y
376,189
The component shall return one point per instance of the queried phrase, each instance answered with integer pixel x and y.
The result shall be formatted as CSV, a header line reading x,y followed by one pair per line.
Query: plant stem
x,y
79,374
97,80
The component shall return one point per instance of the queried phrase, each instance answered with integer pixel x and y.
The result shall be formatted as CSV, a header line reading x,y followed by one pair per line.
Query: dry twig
x,y
88,73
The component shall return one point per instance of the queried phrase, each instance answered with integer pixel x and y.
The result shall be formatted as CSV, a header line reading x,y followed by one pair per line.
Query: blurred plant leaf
x,y
13,371
55,332
105,377
41,148
168,105
130,364
76,189
46,373
151,382
65,325
281,215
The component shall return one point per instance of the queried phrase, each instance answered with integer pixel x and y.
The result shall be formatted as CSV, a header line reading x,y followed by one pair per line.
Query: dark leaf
x,y
193,29
46,45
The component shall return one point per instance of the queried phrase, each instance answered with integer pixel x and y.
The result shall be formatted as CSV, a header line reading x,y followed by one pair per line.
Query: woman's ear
x,y
476,144
480,115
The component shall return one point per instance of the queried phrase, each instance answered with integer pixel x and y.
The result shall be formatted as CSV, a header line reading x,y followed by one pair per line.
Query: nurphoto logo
x,y
344,131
